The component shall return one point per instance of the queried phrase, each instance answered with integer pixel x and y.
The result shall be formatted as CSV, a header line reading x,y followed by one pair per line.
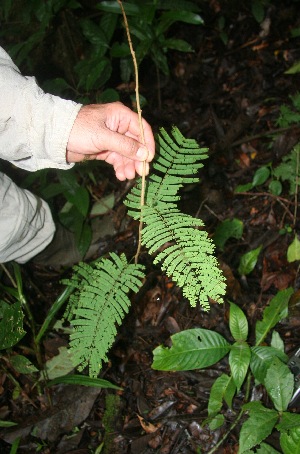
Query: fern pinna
x,y
183,248
98,304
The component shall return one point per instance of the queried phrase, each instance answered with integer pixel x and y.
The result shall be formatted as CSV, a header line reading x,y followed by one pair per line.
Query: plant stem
x,y
9,275
235,423
296,190
139,111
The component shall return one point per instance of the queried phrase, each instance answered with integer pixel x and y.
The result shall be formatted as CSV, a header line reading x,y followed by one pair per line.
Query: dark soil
x,y
227,96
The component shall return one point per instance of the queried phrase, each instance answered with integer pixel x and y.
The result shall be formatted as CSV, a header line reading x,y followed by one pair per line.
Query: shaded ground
x,y
227,97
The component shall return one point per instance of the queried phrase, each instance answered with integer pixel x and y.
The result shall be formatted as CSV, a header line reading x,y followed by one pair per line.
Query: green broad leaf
x,y
131,9
170,17
80,199
11,324
222,389
22,364
248,261
120,50
178,44
83,238
103,205
261,359
7,424
277,342
275,187
290,441
294,69
230,228
261,176
216,422
288,421
293,252
108,95
239,360
56,86
295,32
258,11
279,383
191,349
243,187
264,448
59,365
83,380
257,427
276,310
52,190
238,323
94,34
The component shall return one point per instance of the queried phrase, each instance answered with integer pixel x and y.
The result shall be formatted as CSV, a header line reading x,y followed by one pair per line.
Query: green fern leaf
x,y
177,161
188,253
100,302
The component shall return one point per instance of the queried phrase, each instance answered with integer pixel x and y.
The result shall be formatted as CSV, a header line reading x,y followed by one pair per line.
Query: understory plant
x,y
260,363
178,242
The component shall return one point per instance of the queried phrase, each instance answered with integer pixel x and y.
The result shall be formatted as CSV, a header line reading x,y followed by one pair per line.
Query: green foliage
x,y
289,169
99,303
230,228
191,349
198,348
11,324
149,23
248,261
293,252
187,254
90,40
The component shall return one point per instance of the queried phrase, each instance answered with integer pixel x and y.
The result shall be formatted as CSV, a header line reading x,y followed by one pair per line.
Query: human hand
x,y
111,132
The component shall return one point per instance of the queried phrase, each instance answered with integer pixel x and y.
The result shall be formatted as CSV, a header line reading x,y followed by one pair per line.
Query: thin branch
x,y
9,275
139,111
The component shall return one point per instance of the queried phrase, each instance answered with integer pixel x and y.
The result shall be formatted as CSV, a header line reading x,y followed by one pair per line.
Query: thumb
x,y
126,146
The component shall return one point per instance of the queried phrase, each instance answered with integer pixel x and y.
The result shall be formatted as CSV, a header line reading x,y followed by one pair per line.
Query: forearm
x,y
34,126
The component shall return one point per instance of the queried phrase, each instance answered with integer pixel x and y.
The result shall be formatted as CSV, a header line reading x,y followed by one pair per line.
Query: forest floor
x,y
227,96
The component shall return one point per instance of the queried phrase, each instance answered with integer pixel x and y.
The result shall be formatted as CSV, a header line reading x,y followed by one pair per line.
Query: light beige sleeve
x,y
34,126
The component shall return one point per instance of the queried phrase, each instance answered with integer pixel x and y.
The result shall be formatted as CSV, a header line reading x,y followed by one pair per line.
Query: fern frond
x,y
189,259
187,256
177,161
99,303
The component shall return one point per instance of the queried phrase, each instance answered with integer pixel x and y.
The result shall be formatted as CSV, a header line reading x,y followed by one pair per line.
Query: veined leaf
x,y
261,359
7,423
230,228
83,380
276,310
248,261
277,342
293,252
288,421
290,441
261,176
238,323
239,359
264,448
191,349
22,364
223,388
258,426
279,383
11,324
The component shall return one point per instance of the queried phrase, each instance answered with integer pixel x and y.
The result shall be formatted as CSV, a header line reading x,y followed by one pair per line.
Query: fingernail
x,y
142,153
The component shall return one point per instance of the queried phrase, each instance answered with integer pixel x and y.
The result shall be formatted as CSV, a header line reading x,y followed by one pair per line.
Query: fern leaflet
x,y
99,303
